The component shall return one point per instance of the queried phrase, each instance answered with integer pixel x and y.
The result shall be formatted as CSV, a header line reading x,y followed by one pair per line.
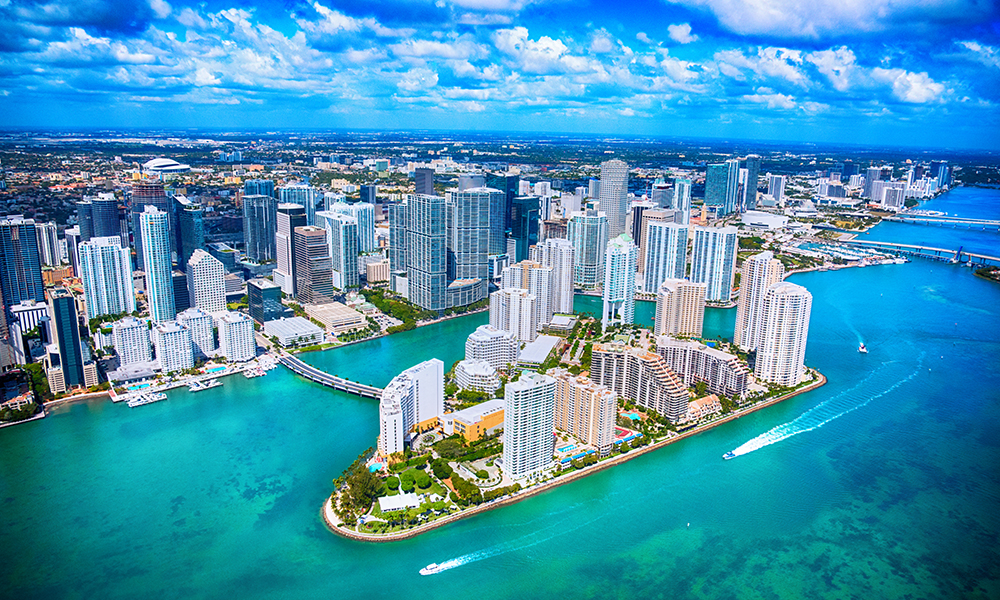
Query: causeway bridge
x,y
943,221
338,383
945,254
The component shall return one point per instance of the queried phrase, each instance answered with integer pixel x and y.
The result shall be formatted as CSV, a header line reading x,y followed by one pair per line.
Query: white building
x,y
412,402
498,347
514,310
666,254
680,308
781,349
173,346
49,249
776,188
713,261
587,231
693,361
202,327
364,214
682,200
206,281
557,254
236,337
294,331
131,341
619,282
106,272
614,195
477,375
758,274
155,236
537,279
529,413
342,240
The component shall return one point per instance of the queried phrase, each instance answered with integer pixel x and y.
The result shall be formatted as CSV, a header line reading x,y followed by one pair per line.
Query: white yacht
x,y
431,569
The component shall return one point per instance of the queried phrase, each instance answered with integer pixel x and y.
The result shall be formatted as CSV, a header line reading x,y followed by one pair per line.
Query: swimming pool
x,y
139,386
633,416
569,448
375,467
215,369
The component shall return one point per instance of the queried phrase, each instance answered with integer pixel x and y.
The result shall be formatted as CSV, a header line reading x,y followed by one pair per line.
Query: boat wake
x,y
847,401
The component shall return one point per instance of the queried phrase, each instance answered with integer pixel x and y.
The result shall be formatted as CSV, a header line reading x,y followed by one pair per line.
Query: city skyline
x,y
687,68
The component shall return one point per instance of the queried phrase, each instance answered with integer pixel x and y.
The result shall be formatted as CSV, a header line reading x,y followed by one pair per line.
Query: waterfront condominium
x,y
588,232
514,310
236,337
759,272
145,193
680,308
749,200
313,274
666,254
723,373
260,223
614,195
557,254
411,403
713,261
201,325
781,349
532,276
468,236
476,375
131,341
585,409
206,282
498,347
426,252
619,282
304,195
106,273
641,228
155,232
289,216
20,267
722,186
364,213
641,376
64,358
174,349
682,200
342,242
529,413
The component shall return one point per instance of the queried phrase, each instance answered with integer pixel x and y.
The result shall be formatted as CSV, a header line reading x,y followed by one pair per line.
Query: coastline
x,y
331,520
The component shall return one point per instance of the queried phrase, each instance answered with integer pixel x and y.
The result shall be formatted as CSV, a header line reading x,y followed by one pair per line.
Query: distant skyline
x,y
884,72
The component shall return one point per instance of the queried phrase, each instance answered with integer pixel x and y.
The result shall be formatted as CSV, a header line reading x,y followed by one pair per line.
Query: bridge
x,y
946,254
943,221
338,383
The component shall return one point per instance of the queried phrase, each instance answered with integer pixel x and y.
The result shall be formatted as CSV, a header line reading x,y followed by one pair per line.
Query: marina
x,y
143,398
202,385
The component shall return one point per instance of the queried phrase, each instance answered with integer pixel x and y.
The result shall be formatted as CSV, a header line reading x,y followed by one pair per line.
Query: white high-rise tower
x,y
781,349
206,282
666,254
759,273
106,271
614,195
155,234
713,261
557,254
529,414
619,282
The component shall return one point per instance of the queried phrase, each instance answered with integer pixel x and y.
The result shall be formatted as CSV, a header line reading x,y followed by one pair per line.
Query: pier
x,y
943,221
945,254
338,383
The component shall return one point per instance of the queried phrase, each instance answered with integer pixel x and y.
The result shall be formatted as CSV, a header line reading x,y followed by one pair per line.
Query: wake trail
x,y
823,413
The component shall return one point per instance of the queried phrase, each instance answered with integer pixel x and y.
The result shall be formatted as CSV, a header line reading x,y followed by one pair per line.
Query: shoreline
x,y
330,520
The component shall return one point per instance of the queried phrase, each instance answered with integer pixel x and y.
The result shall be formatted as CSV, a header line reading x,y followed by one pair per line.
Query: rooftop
x,y
291,326
477,412
537,351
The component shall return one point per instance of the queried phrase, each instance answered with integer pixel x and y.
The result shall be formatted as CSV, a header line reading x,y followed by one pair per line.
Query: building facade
x,y
106,274
614,195
758,274
529,414
264,299
206,282
619,282
201,327
498,347
557,255
641,376
155,227
585,409
781,349
693,361
174,349
514,310
260,223
288,216
713,261
313,272
411,403
680,308
666,253
131,341
588,233
236,337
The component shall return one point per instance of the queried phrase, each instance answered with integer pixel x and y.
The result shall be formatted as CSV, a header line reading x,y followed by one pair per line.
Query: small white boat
x,y
431,569
862,349
200,386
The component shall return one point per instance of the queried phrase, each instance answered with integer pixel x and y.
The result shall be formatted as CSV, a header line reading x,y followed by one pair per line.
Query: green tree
x,y
392,483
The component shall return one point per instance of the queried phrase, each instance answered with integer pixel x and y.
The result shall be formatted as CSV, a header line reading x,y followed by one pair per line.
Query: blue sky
x,y
892,72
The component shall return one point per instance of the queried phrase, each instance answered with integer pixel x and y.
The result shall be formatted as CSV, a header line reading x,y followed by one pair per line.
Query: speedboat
x,y
862,349
728,455
431,569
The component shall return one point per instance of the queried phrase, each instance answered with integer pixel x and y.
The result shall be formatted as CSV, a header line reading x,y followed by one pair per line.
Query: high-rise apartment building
x,y
342,240
306,196
641,376
236,337
260,223
781,349
614,195
468,234
288,216
147,192
106,273
529,414
537,280
713,261
665,253
514,310
584,409
85,219
49,250
642,227
398,232
364,213
206,282
174,348
776,188
105,218
722,186
758,274
20,266
426,252
588,233
524,225
749,200
680,308
693,361
258,187
557,254
202,328
412,402
508,184
313,271
131,341
682,200
498,347
65,330
661,195
619,282
154,228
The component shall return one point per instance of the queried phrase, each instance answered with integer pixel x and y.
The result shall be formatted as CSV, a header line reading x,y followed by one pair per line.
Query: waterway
x,y
882,484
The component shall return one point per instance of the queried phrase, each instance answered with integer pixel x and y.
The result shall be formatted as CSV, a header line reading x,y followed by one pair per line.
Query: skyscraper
x,y
682,199
619,282
584,409
264,299
524,224
66,336
529,413
174,348
106,272
206,282
85,219
776,188
342,240
614,195
147,192
190,229
680,308
661,195
236,337
72,244
508,184
154,228
397,236
367,194
306,196
104,216
468,234
713,261
781,349
313,274
758,274
201,326
131,341
365,215
258,187
537,279
412,402
49,250
666,253
288,216
722,186
20,266
749,200
557,254
260,223
514,310
426,252
588,232
423,181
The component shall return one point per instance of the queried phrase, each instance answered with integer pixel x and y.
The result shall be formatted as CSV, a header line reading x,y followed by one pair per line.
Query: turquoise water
x,y
882,484
215,369
718,321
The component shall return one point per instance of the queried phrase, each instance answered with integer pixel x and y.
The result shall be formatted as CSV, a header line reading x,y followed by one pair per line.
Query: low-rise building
x,y
477,375
336,317
534,354
294,331
376,272
703,407
476,421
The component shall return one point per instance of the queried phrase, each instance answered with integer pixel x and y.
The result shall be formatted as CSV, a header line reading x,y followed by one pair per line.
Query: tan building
x,y
336,317
641,376
377,271
55,275
655,214
680,308
476,421
585,409
758,274
703,407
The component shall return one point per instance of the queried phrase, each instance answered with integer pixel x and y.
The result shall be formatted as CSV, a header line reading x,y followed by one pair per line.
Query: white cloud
x,y
681,33
645,39
160,7
203,77
779,63
542,56
988,55
917,88
837,64
772,100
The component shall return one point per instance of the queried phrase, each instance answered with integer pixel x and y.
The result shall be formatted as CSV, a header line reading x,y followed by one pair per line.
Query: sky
x,y
889,72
